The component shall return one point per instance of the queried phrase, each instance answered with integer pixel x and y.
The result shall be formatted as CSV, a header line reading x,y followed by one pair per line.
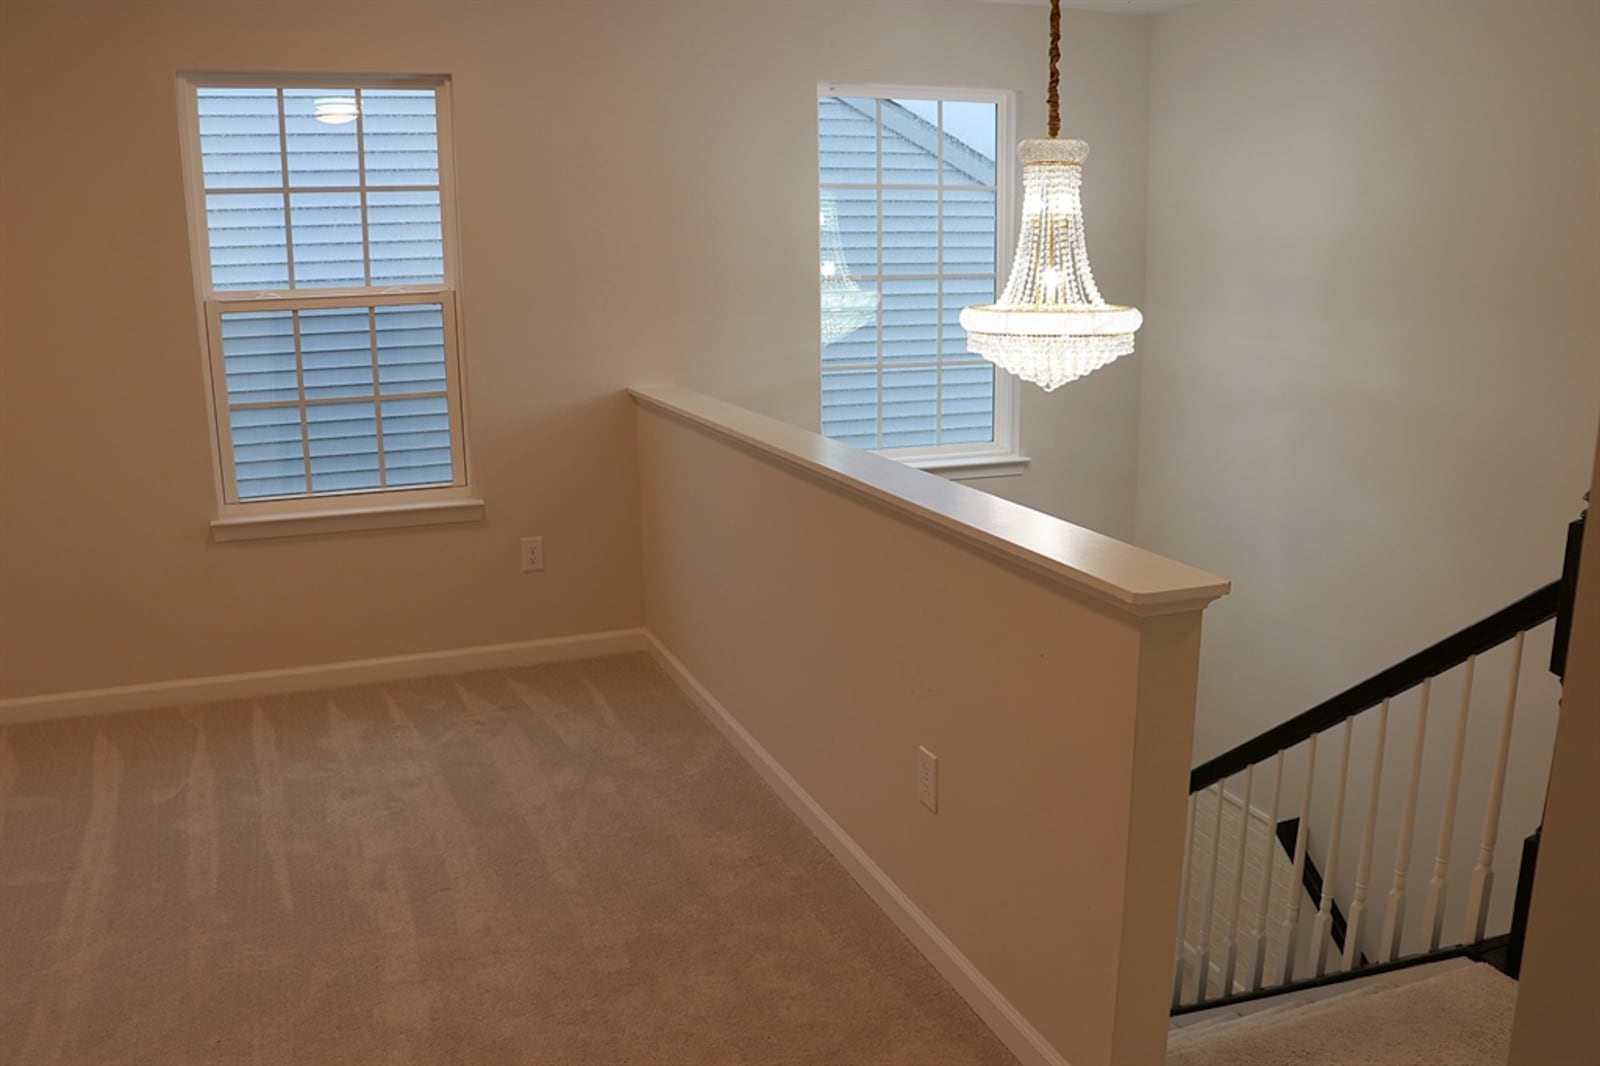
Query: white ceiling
x,y
1121,7
1128,7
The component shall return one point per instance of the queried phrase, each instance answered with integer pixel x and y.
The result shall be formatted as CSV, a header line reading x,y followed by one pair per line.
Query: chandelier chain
x,y
1055,63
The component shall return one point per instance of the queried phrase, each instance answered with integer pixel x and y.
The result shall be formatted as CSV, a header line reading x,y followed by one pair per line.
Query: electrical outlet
x,y
532,554
928,779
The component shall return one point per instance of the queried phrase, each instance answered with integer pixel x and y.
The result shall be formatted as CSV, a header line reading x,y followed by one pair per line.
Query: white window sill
x,y
971,467
347,520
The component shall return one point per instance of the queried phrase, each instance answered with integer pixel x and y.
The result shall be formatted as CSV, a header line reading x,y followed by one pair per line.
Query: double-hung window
x,y
325,264
914,196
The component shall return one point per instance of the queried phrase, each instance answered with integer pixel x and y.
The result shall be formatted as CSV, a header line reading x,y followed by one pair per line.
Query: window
x,y
912,194
323,235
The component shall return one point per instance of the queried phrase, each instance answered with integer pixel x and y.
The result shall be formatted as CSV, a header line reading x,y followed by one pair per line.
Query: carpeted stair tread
x,y
1190,1034
1290,1004
1277,1007
1458,1018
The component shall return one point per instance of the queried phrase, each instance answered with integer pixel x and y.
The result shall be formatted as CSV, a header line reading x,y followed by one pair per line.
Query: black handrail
x,y
1568,597
1531,610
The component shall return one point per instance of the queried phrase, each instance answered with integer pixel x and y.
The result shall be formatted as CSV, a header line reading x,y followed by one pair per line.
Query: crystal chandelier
x,y
1051,325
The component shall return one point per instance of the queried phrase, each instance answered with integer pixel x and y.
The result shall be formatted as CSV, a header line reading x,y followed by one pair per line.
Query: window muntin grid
x,y
337,399
325,276
909,215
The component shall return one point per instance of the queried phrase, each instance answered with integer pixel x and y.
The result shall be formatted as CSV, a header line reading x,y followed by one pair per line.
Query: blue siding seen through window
x,y
293,199
349,398
908,213
315,188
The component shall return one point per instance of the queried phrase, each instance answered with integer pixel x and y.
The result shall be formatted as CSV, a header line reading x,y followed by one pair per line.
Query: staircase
x,y
1303,904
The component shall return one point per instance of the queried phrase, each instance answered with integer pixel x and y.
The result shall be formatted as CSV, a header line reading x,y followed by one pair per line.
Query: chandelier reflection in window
x,y
846,306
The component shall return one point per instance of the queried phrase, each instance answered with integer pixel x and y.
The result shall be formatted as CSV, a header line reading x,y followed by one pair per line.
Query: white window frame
x,y
349,509
1003,455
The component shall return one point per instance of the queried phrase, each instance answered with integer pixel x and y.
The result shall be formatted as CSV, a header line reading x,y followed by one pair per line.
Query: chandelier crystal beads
x,y
1051,325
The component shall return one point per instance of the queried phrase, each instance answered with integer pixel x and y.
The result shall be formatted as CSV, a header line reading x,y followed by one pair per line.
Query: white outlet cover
x,y
532,554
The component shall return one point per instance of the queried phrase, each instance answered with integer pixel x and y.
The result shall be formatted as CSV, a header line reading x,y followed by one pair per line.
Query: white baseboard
x,y
325,675
1008,1023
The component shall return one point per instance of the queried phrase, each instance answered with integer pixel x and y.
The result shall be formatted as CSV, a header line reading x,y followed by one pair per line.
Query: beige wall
x,y
1371,364
1061,723
638,204
1371,368
1556,996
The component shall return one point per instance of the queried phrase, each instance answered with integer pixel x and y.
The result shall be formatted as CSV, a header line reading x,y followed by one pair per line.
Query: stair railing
x,y
1262,959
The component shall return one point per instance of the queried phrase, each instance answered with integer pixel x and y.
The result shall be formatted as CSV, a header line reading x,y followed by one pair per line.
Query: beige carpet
x,y
551,865
1459,1018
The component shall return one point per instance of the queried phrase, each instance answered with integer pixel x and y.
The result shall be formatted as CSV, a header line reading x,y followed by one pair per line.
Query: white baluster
x,y
1433,912
1289,928
1483,873
1320,930
1358,902
1258,947
1394,918
1183,902
1203,965
1231,955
